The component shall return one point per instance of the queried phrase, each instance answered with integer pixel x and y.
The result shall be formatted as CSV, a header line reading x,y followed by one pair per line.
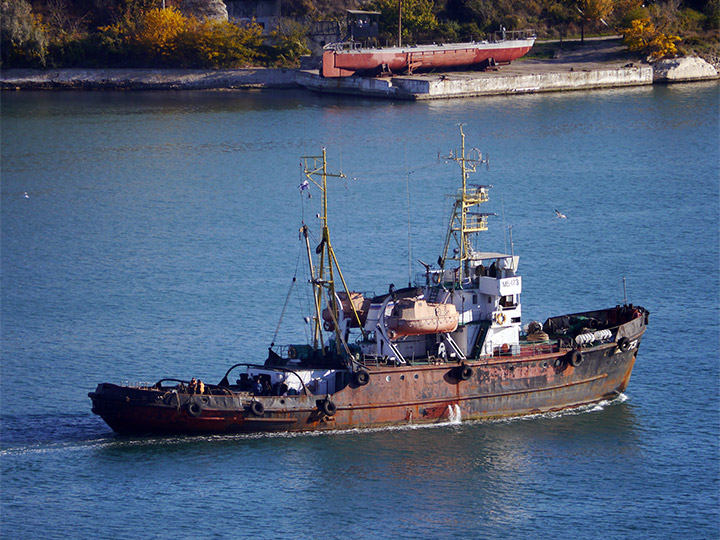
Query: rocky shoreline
x,y
665,71
147,79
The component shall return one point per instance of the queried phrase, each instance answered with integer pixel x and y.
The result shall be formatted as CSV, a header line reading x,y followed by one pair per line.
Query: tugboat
x,y
452,346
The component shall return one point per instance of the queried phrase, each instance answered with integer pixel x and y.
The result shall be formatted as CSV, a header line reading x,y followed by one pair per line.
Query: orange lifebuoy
x,y
500,318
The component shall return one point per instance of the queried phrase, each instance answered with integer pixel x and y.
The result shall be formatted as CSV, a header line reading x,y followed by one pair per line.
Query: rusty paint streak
x,y
271,420
477,396
473,363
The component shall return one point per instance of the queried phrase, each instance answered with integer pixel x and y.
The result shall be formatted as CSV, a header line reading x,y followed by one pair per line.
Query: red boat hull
x,y
343,63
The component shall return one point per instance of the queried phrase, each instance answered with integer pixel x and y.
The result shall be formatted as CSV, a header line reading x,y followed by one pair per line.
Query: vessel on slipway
x,y
348,58
450,346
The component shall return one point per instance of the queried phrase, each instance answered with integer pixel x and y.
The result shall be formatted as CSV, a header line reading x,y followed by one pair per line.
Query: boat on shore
x,y
348,58
451,346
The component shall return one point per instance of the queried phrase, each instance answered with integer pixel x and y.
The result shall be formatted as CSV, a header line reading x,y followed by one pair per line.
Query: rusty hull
x,y
497,387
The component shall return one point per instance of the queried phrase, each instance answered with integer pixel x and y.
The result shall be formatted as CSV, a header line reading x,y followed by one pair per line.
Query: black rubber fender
x,y
327,407
361,377
574,358
464,372
257,408
623,344
194,409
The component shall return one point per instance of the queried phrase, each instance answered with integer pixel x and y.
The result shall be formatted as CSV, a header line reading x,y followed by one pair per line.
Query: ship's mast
x,y
323,277
465,222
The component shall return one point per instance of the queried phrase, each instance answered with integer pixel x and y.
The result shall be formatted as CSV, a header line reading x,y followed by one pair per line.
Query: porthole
x,y
545,364
402,377
387,378
416,376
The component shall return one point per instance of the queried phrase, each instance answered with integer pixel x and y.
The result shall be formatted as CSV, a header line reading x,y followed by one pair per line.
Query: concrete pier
x,y
596,63
600,63
458,85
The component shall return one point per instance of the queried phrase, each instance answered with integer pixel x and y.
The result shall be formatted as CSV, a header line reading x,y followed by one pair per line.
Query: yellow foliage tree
x,y
166,37
157,31
598,10
219,44
643,37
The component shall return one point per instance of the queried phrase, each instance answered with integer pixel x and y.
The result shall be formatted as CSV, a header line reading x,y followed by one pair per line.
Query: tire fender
x,y
257,408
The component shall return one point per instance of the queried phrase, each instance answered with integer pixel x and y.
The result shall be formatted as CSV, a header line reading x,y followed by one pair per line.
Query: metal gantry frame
x,y
463,222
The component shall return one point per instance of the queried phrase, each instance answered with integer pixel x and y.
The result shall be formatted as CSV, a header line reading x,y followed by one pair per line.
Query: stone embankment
x,y
594,64
147,79
682,70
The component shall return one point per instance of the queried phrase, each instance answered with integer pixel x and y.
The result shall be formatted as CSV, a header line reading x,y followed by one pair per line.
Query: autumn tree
x,y
166,37
643,37
218,44
157,30
418,18
591,12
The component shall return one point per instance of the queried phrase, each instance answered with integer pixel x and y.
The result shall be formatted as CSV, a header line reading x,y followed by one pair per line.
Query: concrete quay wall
x,y
520,77
449,86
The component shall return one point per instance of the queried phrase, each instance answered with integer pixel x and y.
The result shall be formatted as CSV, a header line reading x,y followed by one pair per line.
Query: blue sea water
x,y
151,235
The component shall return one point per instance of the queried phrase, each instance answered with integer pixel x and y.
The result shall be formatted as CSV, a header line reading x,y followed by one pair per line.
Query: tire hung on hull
x,y
327,407
361,377
463,372
574,358
194,409
257,408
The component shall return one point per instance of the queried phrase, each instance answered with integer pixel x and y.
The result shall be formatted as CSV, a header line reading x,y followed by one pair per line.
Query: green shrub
x,y
23,41
286,44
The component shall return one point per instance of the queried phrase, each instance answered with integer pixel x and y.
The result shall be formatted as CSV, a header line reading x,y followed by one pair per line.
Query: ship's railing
x,y
142,385
507,35
537,348
476,221
343,46
473,195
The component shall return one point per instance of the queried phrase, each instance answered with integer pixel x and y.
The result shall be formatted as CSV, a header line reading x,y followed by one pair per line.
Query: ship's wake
x,y
454,414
